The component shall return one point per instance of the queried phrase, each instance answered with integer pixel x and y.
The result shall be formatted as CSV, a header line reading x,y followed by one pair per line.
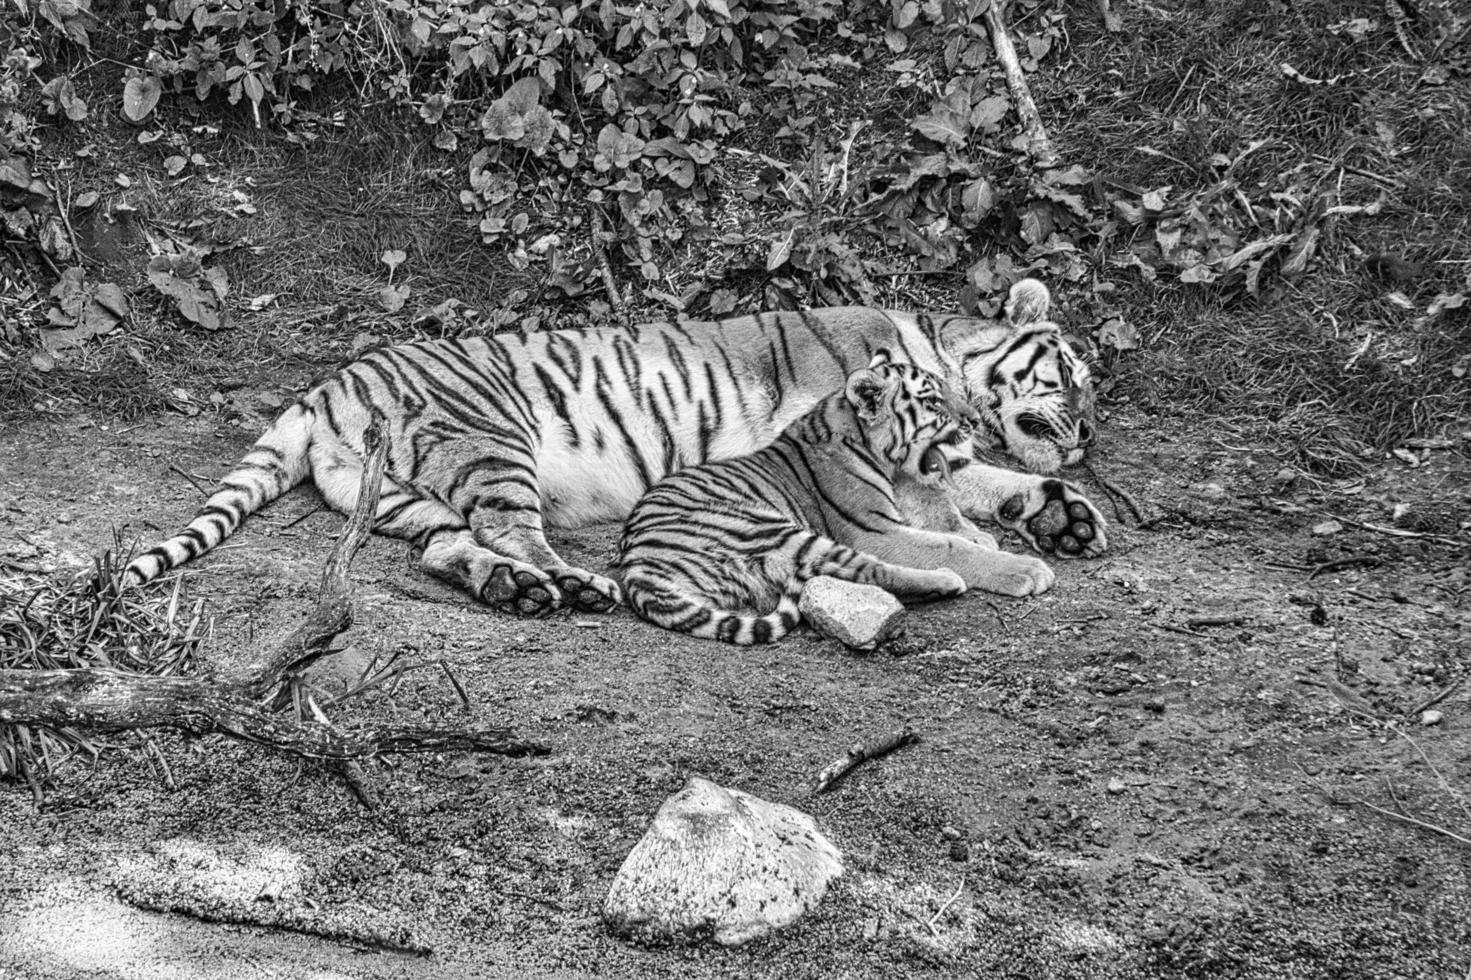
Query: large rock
x,y
857,616
722,864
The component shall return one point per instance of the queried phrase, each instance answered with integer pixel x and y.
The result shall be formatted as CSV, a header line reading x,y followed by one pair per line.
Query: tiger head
x,y
912,418
1035,395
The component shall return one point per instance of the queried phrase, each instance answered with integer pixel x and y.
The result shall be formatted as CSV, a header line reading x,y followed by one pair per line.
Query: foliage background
x,y
1259,207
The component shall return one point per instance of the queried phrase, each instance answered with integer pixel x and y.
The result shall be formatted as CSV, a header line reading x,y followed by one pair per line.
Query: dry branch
x,y
237,703
861,752
1038,143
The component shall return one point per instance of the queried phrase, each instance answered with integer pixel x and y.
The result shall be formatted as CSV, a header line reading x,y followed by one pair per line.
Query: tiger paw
x,y
520,590
587,592
1013,575
1056,519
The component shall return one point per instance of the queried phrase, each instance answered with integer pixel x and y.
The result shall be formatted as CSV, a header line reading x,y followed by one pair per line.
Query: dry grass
x,y
52,624
1190,80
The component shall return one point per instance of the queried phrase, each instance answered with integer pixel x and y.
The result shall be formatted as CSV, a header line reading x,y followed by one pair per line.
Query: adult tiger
x,y
721,550
491,437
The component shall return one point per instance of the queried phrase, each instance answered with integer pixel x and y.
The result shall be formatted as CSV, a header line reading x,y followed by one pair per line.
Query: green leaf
x,y
140,95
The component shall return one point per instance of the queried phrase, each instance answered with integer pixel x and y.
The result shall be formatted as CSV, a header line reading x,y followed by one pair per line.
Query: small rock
x,y
1428,718
1116,786
1286,476
720,863
857,616
1327,527
1210,491
949,833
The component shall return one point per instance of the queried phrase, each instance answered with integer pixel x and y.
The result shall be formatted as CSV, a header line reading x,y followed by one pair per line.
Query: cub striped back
x,y
722,550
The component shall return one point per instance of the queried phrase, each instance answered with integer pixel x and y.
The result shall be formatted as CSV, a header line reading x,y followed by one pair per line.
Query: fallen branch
x,y
239,703
1339,564
1117,493
861,752
1038,143
1405,818
1220,619
1399,533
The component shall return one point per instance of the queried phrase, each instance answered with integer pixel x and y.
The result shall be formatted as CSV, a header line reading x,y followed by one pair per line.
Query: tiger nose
x,y
1085,433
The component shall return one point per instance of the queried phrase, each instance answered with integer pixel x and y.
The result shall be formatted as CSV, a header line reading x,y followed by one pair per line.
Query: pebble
x,y
1116,786
1327,527
949,833
1429,718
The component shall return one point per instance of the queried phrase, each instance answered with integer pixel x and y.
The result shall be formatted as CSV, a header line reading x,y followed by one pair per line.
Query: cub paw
x,y
520,590
1056,519
1016,575
587,592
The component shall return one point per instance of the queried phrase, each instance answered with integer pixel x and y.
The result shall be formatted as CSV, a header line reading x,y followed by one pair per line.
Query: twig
x,y
1038,143
192,481
861,752
1399,533
1221,619
1338,564
66,220
1436,700
948,902
606,268
924,922
1439,778
163,765
1182,630
1406,818
1117,493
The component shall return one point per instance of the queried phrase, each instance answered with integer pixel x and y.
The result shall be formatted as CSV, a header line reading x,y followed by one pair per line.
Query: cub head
x,y
1034,394
912,418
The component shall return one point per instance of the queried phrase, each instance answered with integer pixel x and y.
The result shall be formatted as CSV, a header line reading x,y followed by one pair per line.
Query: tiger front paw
x,y
587,592
1013,575
1056,519
520,590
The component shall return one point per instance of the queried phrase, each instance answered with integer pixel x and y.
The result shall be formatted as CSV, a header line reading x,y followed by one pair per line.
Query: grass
x,y
1329,365
55,624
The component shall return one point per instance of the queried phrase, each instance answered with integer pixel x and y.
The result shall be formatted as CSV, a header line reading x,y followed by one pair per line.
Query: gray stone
x,y
722,864
857,616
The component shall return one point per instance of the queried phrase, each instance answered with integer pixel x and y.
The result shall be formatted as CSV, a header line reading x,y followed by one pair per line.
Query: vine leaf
x,y
140,95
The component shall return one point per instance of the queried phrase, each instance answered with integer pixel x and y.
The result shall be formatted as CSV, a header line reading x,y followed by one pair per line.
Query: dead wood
x,y
1038,143
238,703
1117,493
861,752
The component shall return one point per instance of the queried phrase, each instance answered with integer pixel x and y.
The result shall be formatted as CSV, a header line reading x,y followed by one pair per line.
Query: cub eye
x,y
931,402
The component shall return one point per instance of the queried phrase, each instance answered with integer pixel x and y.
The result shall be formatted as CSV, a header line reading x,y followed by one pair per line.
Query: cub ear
x,y
865,392
881,358
1027,302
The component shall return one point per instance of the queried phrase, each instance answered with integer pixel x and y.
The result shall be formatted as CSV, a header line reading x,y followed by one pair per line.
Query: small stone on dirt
x,y
857,616
1428,718
720,863
1327,527
1116,786
949,833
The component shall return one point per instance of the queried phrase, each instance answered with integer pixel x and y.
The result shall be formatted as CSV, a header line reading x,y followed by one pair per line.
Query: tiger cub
x,y
721,550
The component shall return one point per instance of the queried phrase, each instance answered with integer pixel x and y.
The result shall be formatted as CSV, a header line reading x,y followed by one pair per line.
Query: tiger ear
x,y
881,358
1028,302
865,392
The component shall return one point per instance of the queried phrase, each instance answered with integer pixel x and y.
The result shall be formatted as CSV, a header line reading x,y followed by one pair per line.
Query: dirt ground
x,y
1102,790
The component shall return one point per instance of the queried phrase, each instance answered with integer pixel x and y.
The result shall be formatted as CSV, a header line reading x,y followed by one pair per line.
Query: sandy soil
x,y
1101,790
